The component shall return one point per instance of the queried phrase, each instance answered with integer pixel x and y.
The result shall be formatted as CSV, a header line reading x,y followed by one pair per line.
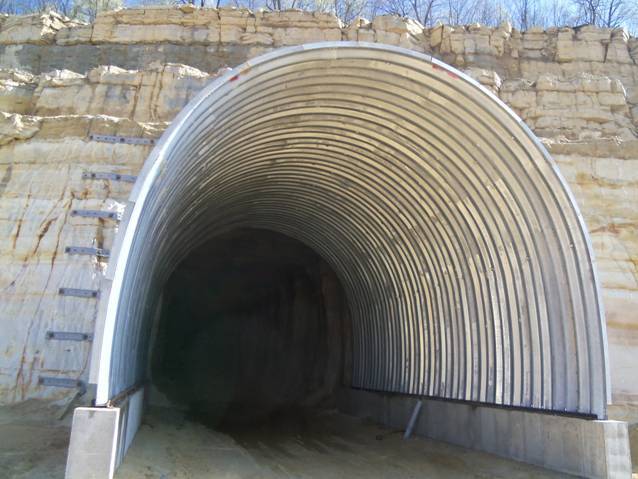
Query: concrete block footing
x,y
587,448
100,437
93,446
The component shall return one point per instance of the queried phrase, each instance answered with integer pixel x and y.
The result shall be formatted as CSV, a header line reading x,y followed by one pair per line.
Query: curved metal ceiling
x,y
466,263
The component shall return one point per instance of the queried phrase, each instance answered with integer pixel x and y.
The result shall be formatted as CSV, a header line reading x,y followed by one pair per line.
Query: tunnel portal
x,y
464,261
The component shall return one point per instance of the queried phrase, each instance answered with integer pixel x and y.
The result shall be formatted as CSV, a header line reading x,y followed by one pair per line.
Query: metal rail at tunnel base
x,y
590,448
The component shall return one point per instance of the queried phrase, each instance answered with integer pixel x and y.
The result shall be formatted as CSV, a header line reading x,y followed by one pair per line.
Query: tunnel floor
x,y
323,445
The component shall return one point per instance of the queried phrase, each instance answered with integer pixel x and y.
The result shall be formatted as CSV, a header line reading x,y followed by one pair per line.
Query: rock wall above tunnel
x,y
132,71
208,39
156,94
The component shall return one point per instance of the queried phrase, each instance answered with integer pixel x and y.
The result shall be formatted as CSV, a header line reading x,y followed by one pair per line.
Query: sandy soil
x,y
329,445
33,445
33,441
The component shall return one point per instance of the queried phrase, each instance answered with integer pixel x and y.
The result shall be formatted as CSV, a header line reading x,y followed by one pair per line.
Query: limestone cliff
x,y
132,71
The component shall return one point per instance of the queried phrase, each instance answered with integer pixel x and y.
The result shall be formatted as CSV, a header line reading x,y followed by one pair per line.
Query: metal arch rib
x,y
468,266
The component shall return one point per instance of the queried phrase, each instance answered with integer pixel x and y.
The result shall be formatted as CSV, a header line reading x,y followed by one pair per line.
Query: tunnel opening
x,y
253,330
466,263
467,266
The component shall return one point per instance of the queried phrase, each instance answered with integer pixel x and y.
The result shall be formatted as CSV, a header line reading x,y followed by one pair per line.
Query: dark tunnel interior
x,y
253,324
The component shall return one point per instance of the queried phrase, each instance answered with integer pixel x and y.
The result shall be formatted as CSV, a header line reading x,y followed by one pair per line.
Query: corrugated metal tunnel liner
x,y
467,265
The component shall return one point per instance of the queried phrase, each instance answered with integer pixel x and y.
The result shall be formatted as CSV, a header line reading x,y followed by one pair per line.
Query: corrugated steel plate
x,y
466,262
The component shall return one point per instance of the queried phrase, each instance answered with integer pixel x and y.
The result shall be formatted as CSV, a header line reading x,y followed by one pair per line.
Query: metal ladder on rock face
x,y
103,254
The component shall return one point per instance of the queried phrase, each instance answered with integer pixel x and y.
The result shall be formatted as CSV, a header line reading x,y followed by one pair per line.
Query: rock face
x,y
132,71
155,94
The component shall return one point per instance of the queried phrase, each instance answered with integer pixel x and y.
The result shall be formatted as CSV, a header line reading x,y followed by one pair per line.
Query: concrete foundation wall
x,y
94,442
587,448
100,437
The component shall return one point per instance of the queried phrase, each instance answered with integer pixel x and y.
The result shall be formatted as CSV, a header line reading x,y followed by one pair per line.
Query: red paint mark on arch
x,y
236,77
440,68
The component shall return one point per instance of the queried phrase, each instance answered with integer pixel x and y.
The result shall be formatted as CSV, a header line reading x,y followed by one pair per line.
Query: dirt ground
x,y
33,443
329,445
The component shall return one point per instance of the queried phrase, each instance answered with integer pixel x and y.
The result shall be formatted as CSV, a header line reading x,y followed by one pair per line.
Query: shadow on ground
x,y
301,444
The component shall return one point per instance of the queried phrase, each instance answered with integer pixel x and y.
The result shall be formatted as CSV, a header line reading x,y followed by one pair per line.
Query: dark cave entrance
x,y
253,325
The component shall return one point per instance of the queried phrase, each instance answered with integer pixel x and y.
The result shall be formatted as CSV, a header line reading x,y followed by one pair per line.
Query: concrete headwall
x,y
132,71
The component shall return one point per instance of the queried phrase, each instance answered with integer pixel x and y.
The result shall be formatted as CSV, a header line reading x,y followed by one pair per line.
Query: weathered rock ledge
x,y
586,106
187,25
190,25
